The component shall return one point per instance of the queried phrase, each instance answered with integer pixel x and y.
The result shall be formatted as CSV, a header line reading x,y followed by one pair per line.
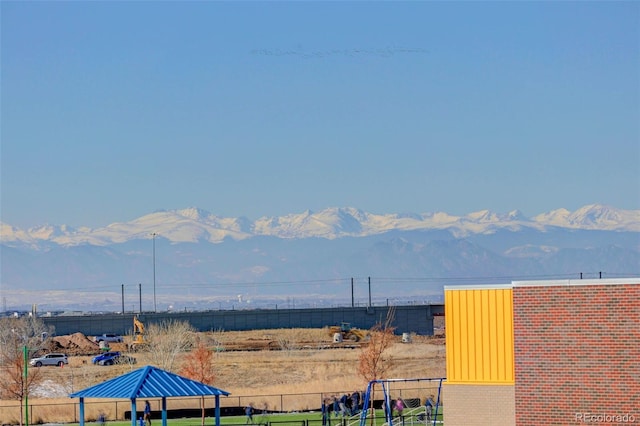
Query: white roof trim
x,y
546,283
477,287
551,283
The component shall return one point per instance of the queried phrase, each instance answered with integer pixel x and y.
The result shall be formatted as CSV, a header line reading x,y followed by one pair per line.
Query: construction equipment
x,y
139,340
347,332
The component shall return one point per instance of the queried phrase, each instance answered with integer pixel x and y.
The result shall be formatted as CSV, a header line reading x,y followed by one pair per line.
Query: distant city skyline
x,y
113,110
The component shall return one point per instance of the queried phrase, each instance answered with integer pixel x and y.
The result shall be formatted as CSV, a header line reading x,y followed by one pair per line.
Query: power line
x,y
358,280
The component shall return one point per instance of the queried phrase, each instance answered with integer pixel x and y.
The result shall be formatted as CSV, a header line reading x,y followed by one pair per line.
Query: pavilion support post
x,y
217,410
134,412
81,411
164,411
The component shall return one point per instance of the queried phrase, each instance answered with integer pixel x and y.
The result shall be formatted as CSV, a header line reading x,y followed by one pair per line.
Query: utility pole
x,y
26,386
155,307
352,300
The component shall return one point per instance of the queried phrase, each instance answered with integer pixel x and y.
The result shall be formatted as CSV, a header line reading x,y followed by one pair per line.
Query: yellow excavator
x,y
348,332
139,340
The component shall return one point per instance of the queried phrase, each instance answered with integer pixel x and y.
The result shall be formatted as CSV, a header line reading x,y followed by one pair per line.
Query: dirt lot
x,y
264,361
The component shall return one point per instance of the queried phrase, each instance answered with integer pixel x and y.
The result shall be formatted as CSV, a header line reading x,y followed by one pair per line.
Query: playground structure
x,y
413,392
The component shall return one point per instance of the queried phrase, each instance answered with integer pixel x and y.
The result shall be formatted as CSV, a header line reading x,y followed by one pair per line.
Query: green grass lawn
x,y
286,419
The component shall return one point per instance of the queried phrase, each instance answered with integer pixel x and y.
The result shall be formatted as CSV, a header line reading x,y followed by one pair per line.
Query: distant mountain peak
x,y
197,251
515,215
194,213
483,216
194,225
592,216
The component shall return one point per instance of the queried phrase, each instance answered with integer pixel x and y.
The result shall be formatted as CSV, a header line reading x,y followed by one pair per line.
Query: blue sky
x,y
112,110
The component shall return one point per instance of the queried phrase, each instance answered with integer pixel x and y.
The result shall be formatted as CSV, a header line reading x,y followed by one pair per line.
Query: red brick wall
x,y
577,354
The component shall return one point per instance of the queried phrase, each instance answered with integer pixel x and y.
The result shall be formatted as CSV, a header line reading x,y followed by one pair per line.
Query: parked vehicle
x,y
106,355
109,338
117,359
50,359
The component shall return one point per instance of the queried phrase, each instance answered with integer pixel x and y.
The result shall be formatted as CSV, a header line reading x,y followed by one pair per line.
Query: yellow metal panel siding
x,y
453,339
486,333
479,336
501,341
508,353
476,314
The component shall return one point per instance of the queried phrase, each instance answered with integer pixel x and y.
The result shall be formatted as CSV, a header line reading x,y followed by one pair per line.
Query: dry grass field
x,y
299,361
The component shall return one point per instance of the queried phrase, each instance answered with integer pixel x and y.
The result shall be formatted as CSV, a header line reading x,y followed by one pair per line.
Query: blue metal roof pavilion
x,y
149,382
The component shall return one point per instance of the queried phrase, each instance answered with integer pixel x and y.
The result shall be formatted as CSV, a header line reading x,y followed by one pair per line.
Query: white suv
x,y
109,338
50,359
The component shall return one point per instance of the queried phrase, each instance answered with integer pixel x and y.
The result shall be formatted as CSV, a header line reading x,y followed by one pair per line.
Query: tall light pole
x,y
26,385
155,309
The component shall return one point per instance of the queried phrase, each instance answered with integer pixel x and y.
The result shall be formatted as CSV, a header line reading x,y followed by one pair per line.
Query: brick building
x,y
543,353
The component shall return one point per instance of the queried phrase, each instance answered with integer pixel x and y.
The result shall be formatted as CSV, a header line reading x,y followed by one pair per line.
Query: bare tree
x,y
218,340
24,331
288,344
198,365
372,364
18,335
168,339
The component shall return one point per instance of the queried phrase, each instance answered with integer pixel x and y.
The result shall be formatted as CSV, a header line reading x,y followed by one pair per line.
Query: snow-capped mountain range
x,y
197,258
197,225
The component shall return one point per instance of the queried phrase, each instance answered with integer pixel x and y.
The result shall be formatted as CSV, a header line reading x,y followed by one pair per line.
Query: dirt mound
x,y
74,344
